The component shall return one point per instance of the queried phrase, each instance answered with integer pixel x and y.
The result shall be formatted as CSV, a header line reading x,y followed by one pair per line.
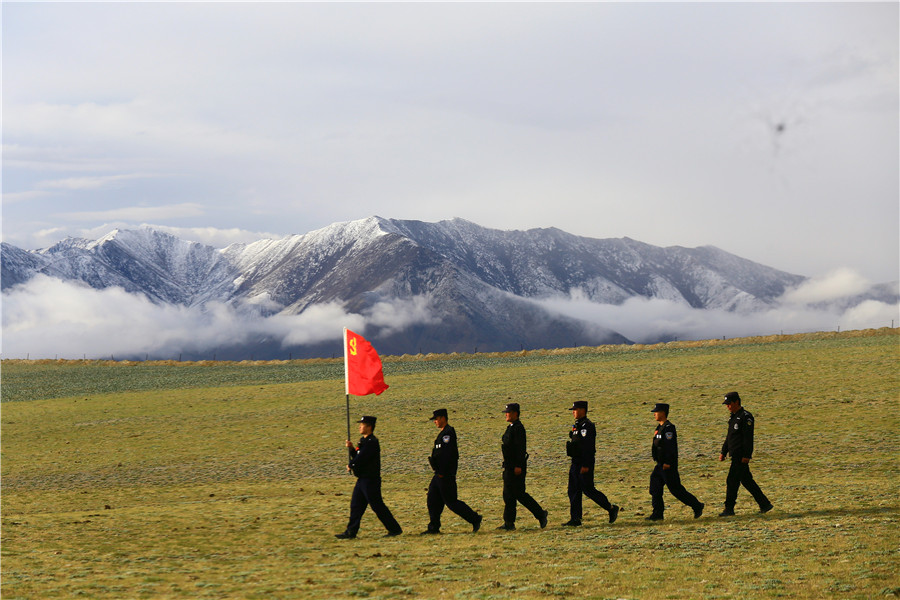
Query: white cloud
x,y
139,213
49,188
401,313
315,324
47,317
91,182
10,197
645,320
836,284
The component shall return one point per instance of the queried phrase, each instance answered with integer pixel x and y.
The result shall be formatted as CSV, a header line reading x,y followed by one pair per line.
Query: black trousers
x,y
513,492
367,492
738,475
583,483
661,478
442,492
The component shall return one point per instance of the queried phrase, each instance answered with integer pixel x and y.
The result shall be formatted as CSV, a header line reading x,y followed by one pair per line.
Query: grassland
x,y
227,480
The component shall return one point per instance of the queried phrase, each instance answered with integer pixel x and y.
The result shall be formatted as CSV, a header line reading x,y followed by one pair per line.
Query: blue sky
x,y
769,130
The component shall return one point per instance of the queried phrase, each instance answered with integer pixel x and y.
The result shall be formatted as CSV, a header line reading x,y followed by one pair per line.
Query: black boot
x,y
613,513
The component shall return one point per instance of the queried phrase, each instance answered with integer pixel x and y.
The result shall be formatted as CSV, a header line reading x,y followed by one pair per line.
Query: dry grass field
x,y
227,480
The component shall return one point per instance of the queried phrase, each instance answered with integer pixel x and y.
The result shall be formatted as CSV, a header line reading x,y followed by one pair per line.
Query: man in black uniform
x,y
365,463
665,453
515,459
582,448
739,443
444,461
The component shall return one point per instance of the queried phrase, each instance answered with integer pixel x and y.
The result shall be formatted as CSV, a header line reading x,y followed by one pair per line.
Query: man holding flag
x,y
365,463
363,375
362,370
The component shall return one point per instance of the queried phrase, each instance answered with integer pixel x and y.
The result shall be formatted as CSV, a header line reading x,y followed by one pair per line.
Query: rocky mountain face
x,y
477,287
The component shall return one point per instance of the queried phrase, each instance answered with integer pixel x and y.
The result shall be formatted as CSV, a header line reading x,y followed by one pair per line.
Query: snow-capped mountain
x,y
477,287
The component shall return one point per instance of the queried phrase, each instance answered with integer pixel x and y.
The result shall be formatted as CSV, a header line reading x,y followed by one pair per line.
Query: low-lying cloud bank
x,y
49,318
816,305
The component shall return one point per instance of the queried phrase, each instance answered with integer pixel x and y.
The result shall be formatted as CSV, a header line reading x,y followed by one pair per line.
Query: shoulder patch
x,y
584,433
669,435
446,439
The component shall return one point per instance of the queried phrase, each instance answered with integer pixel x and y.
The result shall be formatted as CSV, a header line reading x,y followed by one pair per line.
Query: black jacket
x,y
444,457
513,446
739,441
365,459
582,444
665,445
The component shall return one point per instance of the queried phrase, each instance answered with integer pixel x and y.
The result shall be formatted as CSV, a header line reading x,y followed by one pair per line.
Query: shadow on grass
x,y
833,512
639,521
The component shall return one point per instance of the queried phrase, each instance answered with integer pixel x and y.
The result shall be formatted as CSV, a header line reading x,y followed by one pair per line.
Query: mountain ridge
x,y
452,285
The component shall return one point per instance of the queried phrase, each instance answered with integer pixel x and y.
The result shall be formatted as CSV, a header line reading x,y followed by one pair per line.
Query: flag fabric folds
x,y
362,366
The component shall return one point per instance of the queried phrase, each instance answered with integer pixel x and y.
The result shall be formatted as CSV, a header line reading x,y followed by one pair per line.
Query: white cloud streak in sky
x,y
138,213
94,182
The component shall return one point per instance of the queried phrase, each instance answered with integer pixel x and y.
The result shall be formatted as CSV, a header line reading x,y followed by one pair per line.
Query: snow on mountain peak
x,y
476,277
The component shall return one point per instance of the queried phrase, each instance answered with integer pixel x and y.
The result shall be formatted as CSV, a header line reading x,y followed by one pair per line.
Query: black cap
x,y
731,397
511,407
368,420
441,412
660,407
579,404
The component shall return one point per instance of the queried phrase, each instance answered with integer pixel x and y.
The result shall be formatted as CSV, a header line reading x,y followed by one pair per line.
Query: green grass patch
x,y
227,480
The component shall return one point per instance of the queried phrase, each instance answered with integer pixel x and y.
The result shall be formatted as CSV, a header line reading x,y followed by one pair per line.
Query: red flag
x,y
362,367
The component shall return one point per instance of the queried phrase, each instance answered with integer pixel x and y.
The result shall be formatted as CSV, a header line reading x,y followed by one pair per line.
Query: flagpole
x,y
349,451
347,391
